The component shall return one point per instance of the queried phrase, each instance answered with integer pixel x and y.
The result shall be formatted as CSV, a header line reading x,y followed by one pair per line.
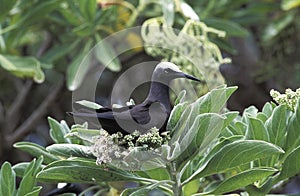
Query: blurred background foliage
x,y
42,44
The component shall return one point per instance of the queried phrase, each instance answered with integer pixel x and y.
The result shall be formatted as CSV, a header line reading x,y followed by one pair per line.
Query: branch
x,y
13,113
31,121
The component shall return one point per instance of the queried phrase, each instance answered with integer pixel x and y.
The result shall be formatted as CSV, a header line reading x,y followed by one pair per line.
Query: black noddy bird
x,y
154,111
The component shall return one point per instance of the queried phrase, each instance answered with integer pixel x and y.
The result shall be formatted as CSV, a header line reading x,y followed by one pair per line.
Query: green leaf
x,y
289,4
28,182
35,191
7,179
236,154
211,102
268,109
168,8
36,151
106,55
59,51
89,104
20,168
6,6
88,9
79,67
175,115
83,171
70,150
58,131
242,179
276,125
291,165
143,190
38,12
23,67
84,133
205,129
256,130
278,25
293,136
231,28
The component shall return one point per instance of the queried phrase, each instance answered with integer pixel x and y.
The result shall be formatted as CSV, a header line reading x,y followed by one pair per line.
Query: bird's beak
x,y
191,77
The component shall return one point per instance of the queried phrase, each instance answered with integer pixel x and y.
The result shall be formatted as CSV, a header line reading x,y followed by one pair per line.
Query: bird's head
x,y
167,71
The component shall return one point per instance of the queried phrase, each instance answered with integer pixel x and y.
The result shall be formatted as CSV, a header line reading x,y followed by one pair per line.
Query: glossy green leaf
x,y
106,55
231,28
293,127
291,165
289,4
58,131
242,179
7,179
36,151
276,125
79,67
23,67
256,130
70,150
83,171
236,154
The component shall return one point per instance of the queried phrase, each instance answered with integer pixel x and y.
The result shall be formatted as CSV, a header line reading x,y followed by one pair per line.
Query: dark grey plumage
x,y
154,111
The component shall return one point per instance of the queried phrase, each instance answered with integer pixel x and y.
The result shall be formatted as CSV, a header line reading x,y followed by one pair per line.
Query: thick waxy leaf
x,y
7,179
242,179
35,191
89,104
143,190
83,133
82,171
20,168
28,182
291,165
23,67
256,130
205,129
70,150
58,131
276,125
293,136
36,151
212,102
236,154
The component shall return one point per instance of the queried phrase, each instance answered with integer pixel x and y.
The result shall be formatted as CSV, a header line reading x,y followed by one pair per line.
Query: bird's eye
x,y
166,71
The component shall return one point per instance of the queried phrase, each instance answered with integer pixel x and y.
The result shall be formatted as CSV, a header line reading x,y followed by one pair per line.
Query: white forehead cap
x,y
166,65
